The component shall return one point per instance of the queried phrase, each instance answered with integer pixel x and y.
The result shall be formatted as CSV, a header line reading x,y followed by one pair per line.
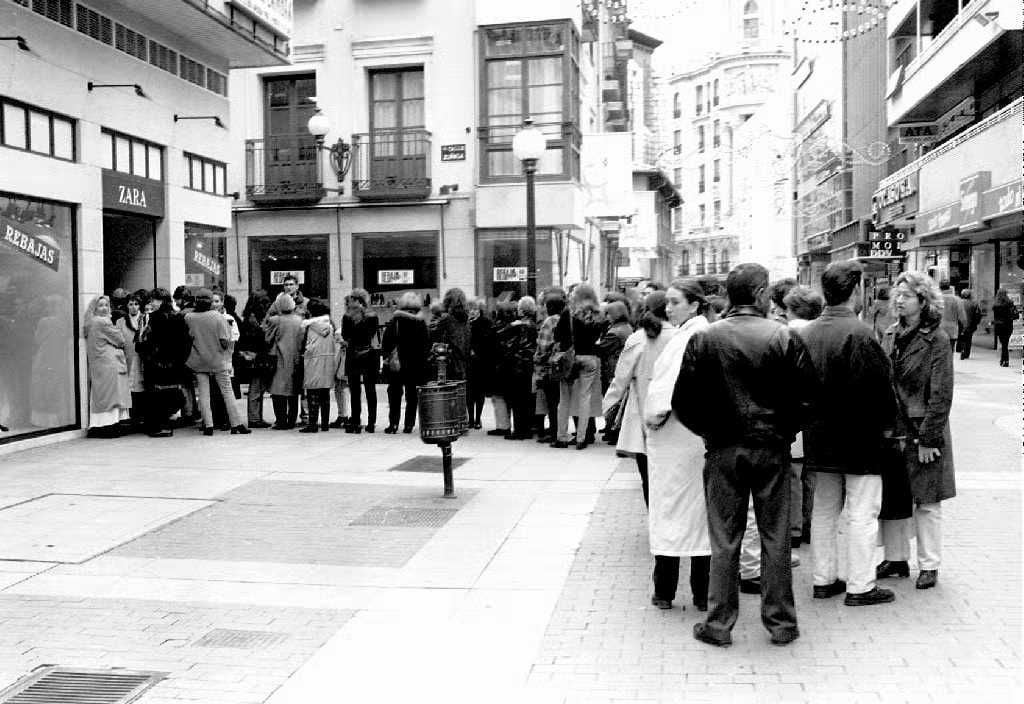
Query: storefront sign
x,y
814,119
277,277
956,119
453,152
933,221
207,262
887,242
971,189
505,274
395,277
132,194
918,132
33,241
276,14
902,192
819,241
1001,201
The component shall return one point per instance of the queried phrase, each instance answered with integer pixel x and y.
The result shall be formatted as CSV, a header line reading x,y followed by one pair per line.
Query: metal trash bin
x,y
442,411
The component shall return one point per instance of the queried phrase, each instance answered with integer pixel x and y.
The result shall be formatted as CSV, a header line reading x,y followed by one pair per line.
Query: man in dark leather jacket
x,y
745,386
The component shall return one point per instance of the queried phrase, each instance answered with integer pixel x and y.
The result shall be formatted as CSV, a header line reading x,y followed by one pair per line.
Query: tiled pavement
x,y
532,586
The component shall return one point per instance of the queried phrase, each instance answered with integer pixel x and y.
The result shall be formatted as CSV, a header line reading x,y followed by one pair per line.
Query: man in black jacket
x,y
844,443
744,386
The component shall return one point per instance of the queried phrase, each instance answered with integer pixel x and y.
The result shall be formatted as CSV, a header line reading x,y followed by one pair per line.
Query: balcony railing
x,y
684,270
391,165
283,169
698,269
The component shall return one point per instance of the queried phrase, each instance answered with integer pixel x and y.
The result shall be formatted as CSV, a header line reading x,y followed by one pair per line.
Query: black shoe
x,y
559,444
892,568
408,429
207,431
497,432
356,429
927,579
161,434
309,429
369,428
785,637
581,446
875,596
511,436
259,424
702,633
701,604
477,426
795,541
339,422
325,427
750,586
280,426
240,430
663,604
391,430
828,591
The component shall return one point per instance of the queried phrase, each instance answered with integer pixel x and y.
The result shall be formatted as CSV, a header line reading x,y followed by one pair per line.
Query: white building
x,y
113,165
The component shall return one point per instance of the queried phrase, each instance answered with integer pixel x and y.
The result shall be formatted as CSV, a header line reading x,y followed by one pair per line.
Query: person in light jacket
x,y
210,360
677,517
109,396
319,364
130,325
283,332
632,377
952,314
579,327
922,361
406,332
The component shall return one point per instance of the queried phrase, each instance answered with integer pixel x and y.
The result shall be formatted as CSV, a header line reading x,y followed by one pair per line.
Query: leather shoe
x,y
828,591
497,431
259,424
559,444
927,579
339,422
750,586
391,430
663,604
785,637
701,604
309,429
892,568
875,596
407,430
702,633
240,430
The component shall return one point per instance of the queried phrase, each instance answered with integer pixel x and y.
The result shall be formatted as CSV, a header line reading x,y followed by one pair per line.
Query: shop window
x,y
38,302
205,257
205,174
131,155
273,258
700,139
677,110
501,255
701,178
389,264
751,21
530,71
36,130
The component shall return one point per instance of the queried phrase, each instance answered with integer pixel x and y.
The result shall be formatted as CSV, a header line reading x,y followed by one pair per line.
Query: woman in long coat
x,y
580,328
320,359
406,332
633,376
163,347
452,329
922,361
677,517
109,396
283,330
481,359
130,325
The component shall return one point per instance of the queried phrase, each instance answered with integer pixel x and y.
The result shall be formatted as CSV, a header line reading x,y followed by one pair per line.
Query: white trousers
x,y
861,494
501,419
927,524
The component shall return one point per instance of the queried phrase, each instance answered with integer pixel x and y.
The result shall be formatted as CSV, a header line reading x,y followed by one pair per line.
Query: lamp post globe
x,y
529,143
528,146
319,126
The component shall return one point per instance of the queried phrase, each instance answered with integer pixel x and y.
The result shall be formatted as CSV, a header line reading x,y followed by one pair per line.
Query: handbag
x,y
897,499
394,364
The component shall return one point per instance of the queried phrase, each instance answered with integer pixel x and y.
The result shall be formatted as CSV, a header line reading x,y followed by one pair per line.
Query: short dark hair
x,y
743,283
290,277
778,290
554,305
804,302
317,307
839,281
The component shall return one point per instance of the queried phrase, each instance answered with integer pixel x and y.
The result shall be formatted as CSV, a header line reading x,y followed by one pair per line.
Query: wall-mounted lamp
x,y
22,44
216,120
136,86
339,153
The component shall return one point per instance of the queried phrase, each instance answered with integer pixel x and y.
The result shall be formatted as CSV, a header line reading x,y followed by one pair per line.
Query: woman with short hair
x,y
922,360
109,397
405,336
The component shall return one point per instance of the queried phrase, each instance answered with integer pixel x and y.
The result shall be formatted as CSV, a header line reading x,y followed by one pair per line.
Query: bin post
x,y
446,464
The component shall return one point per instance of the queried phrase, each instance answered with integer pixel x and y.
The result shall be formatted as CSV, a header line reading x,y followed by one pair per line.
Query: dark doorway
x,y
129,252
270,258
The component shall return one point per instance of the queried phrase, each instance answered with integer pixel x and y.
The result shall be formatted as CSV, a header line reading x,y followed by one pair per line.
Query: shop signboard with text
x,y
887,242
897,200
395,277
33,241
1002,200
132,194
971,188
509,274
277,277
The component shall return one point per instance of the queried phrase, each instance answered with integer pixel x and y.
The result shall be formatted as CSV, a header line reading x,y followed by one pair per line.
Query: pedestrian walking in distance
x,y
972,319
922,360
755,382
845,441
1004,312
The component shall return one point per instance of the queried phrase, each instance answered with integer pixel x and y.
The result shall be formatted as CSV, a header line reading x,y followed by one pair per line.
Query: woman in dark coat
x,y
481,359
362,361
254,365
1003,315
579,328
452,329
923,376
516,345
163,348
406,332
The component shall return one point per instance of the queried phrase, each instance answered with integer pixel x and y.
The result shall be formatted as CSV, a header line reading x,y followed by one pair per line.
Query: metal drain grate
x,y
426,463
404,517
228,638
61,684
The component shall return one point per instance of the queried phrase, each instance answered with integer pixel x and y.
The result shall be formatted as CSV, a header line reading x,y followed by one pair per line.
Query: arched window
x,y
676,108
714,90
700,99
751,20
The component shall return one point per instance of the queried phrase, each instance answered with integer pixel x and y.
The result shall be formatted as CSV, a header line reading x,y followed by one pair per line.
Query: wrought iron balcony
x,y
391,165
698,269
283,169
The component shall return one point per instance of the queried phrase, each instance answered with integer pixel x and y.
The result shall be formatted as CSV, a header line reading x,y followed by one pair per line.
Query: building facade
x,y
709,103
113,172
954,104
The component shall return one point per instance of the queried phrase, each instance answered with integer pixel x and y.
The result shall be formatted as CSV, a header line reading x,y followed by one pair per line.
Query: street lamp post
x,y
339,153
528,146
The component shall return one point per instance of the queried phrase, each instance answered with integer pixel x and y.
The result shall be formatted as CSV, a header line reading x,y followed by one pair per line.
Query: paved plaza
x,y
295,569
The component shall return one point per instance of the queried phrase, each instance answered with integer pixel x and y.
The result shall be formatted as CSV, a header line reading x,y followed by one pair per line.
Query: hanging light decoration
x,y
815,23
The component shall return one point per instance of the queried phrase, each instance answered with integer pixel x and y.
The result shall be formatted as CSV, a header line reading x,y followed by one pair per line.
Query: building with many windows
x,y
954,103
709,103
114,166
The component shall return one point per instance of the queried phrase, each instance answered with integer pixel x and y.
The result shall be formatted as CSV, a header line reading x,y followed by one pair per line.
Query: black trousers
x,y
362,376
551,395
966,340
395,391
160,404
475,396
641,467
521,403
1004,342
286,410
666,577
319,402
731,476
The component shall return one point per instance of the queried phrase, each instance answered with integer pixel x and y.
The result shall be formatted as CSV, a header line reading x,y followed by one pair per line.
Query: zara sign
x,y
132,194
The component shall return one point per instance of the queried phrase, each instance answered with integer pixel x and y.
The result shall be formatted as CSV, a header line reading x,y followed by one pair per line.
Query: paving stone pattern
x,y
163,637
299,523
957,642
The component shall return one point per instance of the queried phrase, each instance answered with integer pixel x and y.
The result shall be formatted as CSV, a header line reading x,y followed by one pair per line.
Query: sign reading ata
x,y
508,274
395,277
31,240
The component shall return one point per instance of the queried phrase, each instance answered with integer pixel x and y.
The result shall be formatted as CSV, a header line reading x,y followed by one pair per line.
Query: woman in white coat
x,y
633,375
677,516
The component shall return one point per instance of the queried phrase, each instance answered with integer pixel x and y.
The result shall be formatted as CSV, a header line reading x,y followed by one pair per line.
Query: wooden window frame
x,y
114,134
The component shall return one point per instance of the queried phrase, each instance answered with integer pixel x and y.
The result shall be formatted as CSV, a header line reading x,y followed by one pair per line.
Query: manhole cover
x,y
426,463
227,638
400,516
62,684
